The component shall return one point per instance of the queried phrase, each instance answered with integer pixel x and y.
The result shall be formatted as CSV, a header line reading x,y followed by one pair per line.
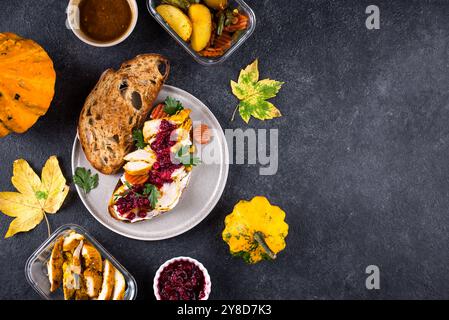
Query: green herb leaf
x,y
85,180
181,4
125,192
186,158
127,184
139,142
41,195
253,94
172,106
152,193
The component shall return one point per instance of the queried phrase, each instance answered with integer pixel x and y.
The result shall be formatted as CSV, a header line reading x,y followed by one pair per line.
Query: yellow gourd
x,y
27,81
255,230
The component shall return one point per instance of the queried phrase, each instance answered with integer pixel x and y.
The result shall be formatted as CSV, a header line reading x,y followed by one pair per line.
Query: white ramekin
x,y
73,24
207,282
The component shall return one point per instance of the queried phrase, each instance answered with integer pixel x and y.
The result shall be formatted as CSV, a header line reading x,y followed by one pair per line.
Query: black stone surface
x,y
364,148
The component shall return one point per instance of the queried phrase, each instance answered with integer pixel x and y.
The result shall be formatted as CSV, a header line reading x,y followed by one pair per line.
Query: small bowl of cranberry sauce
x,y
182,278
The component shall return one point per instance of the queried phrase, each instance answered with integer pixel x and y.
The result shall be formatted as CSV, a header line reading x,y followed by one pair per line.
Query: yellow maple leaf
x,y
35,197
254,93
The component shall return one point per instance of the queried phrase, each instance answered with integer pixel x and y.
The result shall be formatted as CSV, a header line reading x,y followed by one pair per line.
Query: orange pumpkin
x,y
27,82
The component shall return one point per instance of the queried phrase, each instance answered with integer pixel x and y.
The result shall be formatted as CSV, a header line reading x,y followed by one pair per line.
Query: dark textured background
x,y
364,148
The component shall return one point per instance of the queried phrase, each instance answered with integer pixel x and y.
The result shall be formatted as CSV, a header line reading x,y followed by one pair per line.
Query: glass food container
x,y
36,266
207,61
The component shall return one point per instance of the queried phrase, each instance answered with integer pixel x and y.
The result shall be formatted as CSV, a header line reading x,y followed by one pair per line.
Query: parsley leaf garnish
x,y
152,193
85,180
186,158
172,106
41,195
139,142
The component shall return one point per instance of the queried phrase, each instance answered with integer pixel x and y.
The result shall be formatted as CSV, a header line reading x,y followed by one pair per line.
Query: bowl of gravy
x,y
102,23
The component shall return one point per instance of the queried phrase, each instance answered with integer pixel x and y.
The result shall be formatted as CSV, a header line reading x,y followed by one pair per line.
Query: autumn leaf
x,y
35,197
253,94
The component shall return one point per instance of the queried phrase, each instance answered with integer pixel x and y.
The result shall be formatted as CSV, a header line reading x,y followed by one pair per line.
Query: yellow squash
x,y
255,230
201,19
176,19
27,81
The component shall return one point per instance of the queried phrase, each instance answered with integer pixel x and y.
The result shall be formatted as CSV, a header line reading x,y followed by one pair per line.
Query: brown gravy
x,y
104,20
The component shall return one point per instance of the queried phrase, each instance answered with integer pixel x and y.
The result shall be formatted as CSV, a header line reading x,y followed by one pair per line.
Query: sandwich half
x,y
156,174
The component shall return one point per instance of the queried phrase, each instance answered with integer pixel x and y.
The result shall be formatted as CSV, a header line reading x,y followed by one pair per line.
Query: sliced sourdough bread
x,y
119,103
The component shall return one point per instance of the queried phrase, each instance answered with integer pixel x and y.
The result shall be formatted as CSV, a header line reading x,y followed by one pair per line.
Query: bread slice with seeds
x,y
119,103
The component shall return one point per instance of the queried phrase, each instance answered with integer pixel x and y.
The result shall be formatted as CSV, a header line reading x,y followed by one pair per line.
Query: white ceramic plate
x,y
199,198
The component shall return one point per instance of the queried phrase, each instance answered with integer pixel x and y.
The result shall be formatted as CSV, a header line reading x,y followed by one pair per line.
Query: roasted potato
x,y
202,26
216,4
176,19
